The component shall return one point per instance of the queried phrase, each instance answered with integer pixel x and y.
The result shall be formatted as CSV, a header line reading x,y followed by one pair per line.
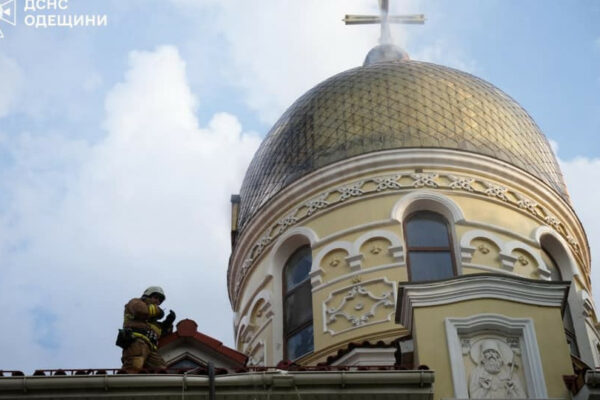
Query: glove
x,y
170,318
167,324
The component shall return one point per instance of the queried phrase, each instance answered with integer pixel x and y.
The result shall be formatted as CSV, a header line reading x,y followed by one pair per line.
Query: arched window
x,y
429,247
297,304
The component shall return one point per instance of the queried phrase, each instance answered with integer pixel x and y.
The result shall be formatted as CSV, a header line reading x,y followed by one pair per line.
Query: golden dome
x,y
391,105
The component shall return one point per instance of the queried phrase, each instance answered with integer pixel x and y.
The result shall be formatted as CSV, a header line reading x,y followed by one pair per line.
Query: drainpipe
x,y
211,381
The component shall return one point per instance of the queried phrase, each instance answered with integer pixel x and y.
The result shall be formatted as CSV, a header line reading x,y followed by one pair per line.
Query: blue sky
x,y
121,144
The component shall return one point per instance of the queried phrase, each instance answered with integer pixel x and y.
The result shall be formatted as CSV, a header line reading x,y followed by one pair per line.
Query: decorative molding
x,y
513,329
247,331
396,249
387,182
467,251
559,247
316,273
478,286
355,257
461,183
507,259
352,190
425,180
317,203
384,184
382,356
354,276
355,261
427,200
365,305
494,190
542,269
257,354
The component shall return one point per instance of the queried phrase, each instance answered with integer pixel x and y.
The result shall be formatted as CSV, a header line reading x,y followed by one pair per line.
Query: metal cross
x,y
385,20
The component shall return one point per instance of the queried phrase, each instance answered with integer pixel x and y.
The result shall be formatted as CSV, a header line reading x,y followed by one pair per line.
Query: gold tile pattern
x,y
400,104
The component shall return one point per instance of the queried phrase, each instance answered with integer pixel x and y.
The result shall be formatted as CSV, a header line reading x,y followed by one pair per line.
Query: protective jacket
x,y
142,318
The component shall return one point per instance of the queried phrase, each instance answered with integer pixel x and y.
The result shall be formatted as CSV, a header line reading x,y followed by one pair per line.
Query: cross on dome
x,y
385,20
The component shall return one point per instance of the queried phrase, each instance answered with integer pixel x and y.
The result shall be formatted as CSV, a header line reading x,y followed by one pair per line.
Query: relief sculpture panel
x,y
495,369
358,305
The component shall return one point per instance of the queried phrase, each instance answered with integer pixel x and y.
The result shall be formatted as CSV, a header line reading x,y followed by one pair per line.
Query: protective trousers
x,y
139,355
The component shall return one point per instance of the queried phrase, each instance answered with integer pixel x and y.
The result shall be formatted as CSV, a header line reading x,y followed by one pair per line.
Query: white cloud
x,y
88,226
279,50
11,82
445,53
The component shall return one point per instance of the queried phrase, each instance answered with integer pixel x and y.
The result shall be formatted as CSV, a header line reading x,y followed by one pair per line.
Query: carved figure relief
x,y
495,375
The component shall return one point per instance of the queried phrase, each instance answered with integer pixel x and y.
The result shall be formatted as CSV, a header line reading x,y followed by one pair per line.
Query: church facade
x,y
420,208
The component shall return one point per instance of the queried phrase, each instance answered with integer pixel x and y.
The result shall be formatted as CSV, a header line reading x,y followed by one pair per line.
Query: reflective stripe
x,y
146,339
152,310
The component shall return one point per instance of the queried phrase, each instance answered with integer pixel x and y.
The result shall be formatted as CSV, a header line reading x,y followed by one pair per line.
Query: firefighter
x,y
142,330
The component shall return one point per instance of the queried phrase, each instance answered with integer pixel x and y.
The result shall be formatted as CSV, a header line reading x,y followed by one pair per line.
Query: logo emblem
x,y
8,13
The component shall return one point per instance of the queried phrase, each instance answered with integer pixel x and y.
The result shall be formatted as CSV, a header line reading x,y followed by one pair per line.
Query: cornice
x,y
475,287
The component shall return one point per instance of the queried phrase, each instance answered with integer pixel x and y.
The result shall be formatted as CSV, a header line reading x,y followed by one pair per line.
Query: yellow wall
x,y
432,347
348,221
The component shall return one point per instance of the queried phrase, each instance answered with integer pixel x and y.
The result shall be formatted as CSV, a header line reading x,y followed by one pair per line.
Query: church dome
x,y
393,105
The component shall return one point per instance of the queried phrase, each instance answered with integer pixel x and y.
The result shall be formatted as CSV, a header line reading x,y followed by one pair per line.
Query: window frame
x,y
286,294
429,249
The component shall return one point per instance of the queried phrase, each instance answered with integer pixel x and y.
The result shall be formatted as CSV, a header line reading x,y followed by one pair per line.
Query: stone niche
x,y
493,357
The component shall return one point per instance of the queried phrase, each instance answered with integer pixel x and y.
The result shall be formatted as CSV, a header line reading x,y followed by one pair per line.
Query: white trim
x,y
256,346
427,200
356,273
381,356
559,249
244,310
395,249
423,199
284,247
354,229
513,245
579,306
467,251
355,257
494,270
507,260
316,272
521,327
473,287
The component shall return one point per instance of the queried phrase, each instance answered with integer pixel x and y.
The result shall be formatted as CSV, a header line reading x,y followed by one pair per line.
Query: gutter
x,y
394,381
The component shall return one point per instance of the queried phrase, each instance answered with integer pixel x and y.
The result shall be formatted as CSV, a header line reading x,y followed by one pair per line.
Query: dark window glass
x,y
298,307
426,229
297,267
300,343
429,247
297,304
430,266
